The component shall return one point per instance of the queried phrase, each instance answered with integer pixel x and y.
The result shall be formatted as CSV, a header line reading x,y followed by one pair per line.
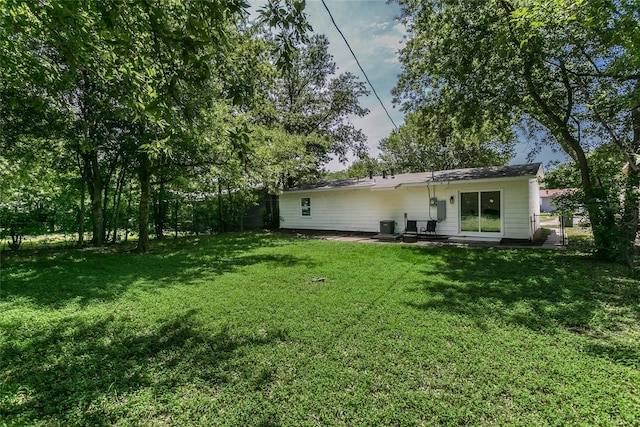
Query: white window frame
x,y
305,209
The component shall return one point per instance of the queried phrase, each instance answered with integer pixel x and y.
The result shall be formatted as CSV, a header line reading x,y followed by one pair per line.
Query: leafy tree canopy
x,y
436,142
309,100
133,85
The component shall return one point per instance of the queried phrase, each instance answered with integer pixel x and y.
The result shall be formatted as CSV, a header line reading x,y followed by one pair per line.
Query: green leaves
x,y
311,102
437,141
289,18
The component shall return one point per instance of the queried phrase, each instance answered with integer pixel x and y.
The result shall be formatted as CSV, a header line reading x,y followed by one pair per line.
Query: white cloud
x,y
400,29
379,25
388,41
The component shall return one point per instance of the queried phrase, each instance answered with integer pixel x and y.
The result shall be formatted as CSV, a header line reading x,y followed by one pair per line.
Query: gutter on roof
x,y
349,187
462,181
373,187
449,178
386,188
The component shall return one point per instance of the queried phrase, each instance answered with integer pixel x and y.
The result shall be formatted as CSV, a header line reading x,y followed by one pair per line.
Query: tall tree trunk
x,y
105,203
175,218
220,212
632,194
159,212
231,210
95,192
195,219
82,210
117,197
106,225
96,213
602,217
144,175
126,225
606,236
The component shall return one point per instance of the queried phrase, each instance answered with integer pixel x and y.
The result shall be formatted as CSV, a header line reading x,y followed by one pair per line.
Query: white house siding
x,y
534,205
346,210
362,209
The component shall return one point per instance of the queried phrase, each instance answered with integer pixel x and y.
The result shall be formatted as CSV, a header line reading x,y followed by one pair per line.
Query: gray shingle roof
x,y
377,182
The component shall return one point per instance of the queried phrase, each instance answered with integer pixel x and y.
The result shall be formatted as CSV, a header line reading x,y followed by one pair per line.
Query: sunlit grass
x,y
271,330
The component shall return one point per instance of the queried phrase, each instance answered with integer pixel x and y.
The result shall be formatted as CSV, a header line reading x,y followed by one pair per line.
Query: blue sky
x,y
375,35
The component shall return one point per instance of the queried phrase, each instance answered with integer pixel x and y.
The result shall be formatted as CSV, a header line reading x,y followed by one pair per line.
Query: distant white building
x,y
547,197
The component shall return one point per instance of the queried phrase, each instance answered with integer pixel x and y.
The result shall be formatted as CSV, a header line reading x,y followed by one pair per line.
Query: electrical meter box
x,y
441,210
433,201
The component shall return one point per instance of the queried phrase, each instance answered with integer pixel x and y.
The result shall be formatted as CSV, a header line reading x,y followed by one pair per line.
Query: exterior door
x,y
480,211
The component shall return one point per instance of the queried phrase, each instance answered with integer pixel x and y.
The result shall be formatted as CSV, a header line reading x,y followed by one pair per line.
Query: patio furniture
x,y
411,233
430,229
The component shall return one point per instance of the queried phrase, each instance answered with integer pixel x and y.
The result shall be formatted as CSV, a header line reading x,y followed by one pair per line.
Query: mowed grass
x,y
269,330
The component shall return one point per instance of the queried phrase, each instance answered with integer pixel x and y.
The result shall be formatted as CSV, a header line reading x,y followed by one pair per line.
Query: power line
x,y
360,66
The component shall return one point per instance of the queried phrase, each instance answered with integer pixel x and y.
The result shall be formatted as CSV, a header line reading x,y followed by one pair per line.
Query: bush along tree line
x,y
566,73
120,117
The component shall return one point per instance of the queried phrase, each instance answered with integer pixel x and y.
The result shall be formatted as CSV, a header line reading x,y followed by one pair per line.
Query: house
x,y
490,203
547,198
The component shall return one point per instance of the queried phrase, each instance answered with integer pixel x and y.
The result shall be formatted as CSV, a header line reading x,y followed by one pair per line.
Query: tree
x,y
360,168
364,166
569,68
436,142
309,102
133,80
606,163
34,197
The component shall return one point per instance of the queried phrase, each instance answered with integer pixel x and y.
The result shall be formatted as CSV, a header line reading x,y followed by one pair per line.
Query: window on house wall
x,y
480,211
305,204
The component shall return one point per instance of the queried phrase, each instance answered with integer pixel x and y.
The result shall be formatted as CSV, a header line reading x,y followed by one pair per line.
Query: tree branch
x,y
569,90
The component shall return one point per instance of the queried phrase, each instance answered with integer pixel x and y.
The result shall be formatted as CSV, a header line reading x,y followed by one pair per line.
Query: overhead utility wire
x,y
360,66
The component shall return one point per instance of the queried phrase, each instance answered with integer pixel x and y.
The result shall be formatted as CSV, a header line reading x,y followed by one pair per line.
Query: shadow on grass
x,y
56,278
540,290
81,373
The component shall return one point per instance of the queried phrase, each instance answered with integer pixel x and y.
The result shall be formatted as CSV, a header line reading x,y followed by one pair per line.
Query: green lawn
x,y
270,330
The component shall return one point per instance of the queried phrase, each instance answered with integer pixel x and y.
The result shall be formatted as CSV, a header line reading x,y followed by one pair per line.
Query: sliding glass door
x,y
469,209
480,211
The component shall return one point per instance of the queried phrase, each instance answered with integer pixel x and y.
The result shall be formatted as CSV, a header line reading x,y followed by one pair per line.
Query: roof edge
x,y
426,178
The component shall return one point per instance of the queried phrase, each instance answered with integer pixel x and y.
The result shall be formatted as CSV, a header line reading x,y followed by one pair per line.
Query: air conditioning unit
x,y
387,226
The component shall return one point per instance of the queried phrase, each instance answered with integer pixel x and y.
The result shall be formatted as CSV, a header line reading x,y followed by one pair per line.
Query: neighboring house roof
x,y
422,178
557,192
